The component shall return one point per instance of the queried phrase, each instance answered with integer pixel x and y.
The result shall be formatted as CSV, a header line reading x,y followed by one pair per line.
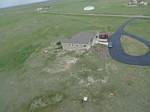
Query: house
x,y
80,41
137,2
143,3
103,37
133,2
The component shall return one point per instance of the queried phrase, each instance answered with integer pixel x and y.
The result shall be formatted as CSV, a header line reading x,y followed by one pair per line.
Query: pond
x,y
10,3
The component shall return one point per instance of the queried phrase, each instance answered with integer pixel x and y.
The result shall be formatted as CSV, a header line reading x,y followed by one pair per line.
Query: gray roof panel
x,y
81,38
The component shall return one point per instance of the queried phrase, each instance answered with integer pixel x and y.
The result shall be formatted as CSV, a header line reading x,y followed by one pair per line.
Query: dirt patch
x,y
101,51
109,67
61,64
91,81
45,101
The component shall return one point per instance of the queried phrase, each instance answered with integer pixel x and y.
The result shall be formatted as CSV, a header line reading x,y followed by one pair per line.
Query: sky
x,y
9,3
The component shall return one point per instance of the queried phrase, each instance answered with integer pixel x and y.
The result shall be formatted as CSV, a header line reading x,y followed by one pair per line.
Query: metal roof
x,y
81,38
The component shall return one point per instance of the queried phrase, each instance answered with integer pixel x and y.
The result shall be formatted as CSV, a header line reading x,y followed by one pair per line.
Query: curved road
x,y
118,53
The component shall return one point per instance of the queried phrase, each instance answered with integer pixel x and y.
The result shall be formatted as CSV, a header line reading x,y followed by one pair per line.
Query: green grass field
x,y
34,81
107,7
133,47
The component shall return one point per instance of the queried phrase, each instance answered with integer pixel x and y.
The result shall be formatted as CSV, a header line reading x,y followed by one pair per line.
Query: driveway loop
x,y
118,53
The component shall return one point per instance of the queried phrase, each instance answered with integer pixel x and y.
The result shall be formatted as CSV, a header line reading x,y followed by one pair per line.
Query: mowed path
x,y
96,15
118,53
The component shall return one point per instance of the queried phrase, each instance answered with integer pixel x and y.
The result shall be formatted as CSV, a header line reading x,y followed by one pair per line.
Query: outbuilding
x,y
89,8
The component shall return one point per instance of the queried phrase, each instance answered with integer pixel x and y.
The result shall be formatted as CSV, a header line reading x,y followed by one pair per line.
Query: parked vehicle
x,y
110,45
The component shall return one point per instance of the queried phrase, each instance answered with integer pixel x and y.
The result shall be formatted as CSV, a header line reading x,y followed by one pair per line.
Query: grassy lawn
x,y
133,47
140,28
101,6
34,81
31,29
